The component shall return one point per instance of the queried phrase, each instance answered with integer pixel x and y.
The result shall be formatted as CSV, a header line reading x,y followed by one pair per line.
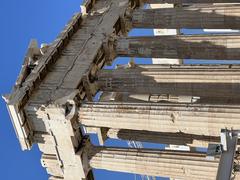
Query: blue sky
x,y
22,20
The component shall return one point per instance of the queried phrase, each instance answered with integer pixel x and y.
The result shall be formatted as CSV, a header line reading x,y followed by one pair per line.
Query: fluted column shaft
x,y
196,119
225,47
162,138
184,165
203,81
209,17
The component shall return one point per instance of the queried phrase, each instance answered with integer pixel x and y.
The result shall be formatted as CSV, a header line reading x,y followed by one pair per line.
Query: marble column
x,y
215,47
174,164
162,138
213,81
209,17
196,119
157,137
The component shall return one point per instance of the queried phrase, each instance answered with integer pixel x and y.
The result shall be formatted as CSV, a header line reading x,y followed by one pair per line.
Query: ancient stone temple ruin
x,y
64,93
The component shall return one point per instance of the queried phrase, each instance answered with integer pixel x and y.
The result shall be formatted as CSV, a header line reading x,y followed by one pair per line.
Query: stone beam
x,y
220,81
174,164
209,17
215,47
196,119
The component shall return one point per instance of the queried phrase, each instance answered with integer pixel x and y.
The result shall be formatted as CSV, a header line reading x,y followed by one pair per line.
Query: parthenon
x,y
65,93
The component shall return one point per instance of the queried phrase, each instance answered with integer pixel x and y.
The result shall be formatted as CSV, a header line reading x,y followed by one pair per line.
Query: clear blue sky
x,y
22,20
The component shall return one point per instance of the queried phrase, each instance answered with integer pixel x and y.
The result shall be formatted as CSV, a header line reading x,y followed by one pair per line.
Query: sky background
x,y
22,20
